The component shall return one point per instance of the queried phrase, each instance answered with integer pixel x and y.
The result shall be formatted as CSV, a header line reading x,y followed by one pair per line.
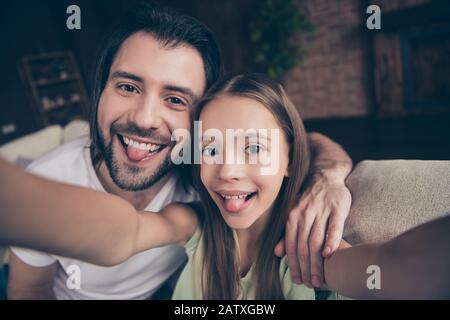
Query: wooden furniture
x,y
410,59
57,91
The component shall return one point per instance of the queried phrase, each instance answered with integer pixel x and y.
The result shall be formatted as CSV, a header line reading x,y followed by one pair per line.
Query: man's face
x,y
150,92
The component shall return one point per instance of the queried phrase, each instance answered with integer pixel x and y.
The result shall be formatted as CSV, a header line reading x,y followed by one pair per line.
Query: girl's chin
x,y
237,223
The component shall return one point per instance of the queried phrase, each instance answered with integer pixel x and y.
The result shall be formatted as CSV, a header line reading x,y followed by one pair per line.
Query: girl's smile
x,y
235,201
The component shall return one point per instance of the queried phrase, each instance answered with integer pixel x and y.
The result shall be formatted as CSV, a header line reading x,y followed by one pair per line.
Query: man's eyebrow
x,y
127,75
182,90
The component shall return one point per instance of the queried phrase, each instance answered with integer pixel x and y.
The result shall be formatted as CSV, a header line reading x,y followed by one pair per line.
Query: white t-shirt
x,y
138,277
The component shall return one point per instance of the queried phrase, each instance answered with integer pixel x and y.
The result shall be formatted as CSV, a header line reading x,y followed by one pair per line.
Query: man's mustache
x,y
133,129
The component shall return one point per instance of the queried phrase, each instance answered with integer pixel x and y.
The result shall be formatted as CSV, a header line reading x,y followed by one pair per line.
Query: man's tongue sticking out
x,y
136,154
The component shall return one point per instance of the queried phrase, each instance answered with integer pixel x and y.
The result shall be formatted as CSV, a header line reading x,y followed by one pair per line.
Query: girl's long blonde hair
x,y
220,267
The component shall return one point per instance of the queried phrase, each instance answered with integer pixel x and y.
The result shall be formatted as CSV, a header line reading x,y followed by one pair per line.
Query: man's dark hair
x,y
171,29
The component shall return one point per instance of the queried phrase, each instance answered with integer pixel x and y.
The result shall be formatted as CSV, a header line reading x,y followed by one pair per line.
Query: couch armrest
x,y
392,196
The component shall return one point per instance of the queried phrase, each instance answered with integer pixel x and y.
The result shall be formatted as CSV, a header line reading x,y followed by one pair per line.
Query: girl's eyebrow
x,y
207,138
257,135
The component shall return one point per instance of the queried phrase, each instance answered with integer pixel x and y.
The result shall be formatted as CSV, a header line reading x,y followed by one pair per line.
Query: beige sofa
x,y
392,196
33,145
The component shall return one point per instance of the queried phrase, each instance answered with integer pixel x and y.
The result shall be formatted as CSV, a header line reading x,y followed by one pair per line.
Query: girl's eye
x,y
210,151
254,149
128,88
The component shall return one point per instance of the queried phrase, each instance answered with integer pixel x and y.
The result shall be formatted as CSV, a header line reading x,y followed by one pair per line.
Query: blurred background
x,y
382,94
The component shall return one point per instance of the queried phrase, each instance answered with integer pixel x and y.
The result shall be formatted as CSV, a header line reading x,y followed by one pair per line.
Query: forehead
x,y
234,112
143,55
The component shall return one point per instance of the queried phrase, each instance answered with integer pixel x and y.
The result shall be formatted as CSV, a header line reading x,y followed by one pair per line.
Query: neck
x,y
248,240
139,199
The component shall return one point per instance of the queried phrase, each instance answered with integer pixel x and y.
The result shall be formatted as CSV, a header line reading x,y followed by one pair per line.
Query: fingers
x,y
280,249
344,244
335,230
291,245
316,242
303,253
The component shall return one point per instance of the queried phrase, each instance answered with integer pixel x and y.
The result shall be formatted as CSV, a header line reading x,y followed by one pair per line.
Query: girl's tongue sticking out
x,y
235,203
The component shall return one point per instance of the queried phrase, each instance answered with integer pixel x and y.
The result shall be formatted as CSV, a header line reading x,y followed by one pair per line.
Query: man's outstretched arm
x,y
413,265
316,224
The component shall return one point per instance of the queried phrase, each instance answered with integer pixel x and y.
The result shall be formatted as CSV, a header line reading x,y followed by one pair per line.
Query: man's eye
x,y
254,149
176,101
127,88
210,151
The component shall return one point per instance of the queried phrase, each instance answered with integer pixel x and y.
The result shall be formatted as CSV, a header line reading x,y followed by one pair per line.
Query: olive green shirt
x,y
189,283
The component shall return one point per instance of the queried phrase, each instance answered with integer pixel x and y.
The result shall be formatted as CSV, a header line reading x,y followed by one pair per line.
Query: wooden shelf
x,y
51,81
54,80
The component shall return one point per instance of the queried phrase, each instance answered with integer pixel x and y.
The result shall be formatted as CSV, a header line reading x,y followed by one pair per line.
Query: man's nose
x,y
148,113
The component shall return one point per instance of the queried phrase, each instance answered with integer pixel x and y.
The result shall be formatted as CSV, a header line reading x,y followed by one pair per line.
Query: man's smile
x,y
139,149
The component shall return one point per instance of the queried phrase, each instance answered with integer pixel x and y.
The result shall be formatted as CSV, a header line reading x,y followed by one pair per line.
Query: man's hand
x,y
315,226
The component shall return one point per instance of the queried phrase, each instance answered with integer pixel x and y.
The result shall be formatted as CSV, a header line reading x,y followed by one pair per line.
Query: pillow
x,y
74,130
32,145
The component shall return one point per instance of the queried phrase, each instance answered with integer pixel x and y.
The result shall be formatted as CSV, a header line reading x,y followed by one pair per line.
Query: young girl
x,y
229,238
245,211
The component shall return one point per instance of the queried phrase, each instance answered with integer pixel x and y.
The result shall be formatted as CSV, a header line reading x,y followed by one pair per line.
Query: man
x,y
151,73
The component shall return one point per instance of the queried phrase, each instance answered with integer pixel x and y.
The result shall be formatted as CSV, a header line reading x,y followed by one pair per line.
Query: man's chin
x,y
131,177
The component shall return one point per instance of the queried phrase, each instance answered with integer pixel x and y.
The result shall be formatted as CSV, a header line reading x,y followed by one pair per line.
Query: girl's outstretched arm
x,y
414,265
92,226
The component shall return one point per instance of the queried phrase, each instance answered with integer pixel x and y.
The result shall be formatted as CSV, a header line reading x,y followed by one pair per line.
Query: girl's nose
x,y
232,171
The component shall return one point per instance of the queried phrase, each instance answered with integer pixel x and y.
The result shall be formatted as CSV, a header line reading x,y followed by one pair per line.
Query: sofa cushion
x,y
74,130
392,196
32,145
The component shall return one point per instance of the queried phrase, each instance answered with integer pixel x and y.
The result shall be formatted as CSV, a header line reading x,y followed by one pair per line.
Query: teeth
x,y
154,147
241,196
142,146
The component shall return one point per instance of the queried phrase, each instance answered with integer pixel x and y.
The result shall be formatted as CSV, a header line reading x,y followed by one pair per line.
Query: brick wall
x,y
335,78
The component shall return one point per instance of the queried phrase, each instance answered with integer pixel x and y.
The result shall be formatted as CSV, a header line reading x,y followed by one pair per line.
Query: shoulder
x,y
60,155
194,243
183,193
65,163
181,210
182,218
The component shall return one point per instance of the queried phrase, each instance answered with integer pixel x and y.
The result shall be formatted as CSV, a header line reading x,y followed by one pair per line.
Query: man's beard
x,y
126,177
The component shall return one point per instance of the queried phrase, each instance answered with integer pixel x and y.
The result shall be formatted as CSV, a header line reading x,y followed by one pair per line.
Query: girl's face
x,y
231,170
